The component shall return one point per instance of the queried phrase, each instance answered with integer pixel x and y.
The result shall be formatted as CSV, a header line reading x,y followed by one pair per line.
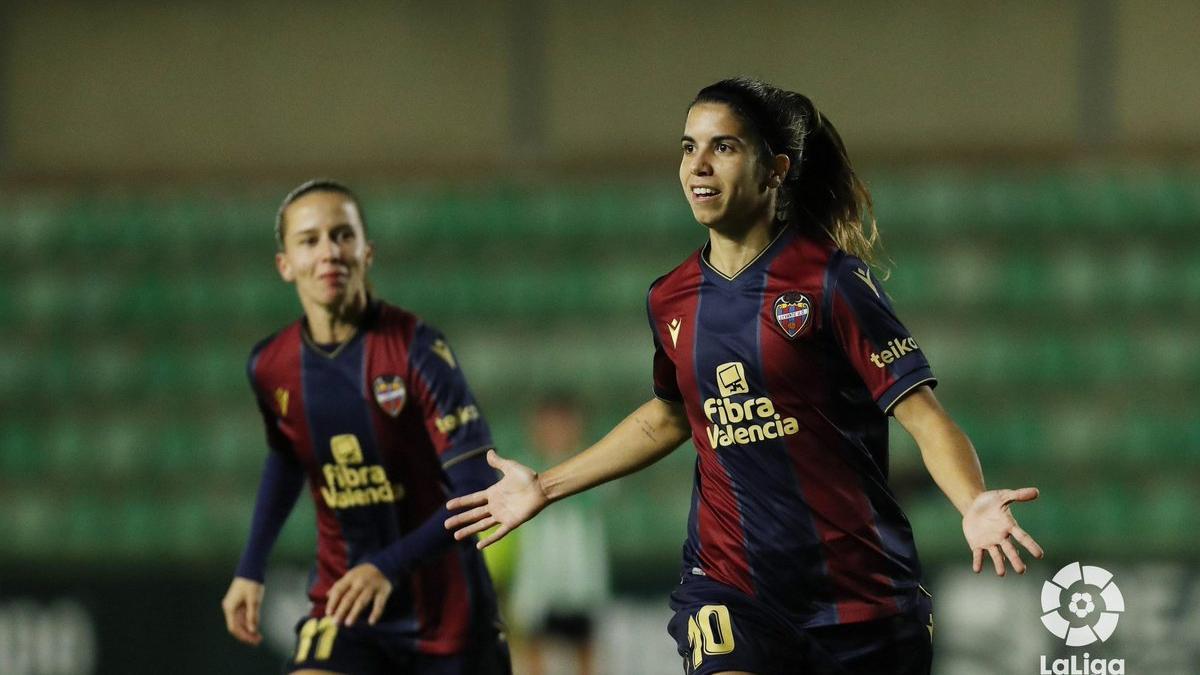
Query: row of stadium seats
x,y
229,445
949,203
609,361
252,295
1114,518
211,524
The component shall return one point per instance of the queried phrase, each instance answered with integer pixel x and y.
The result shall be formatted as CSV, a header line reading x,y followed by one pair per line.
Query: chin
x,y
706,218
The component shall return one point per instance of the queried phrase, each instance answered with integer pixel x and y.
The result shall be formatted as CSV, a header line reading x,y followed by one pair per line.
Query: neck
x,y
335,323
730,251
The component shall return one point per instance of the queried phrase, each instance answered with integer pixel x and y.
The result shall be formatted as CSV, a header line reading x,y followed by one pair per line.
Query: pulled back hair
x,y
308,187
820,188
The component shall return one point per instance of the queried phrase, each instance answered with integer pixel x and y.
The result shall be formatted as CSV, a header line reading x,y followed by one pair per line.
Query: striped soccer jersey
x,y
788,372
374,425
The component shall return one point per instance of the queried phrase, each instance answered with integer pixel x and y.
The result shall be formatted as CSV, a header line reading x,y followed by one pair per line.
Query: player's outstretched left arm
x,y
988,522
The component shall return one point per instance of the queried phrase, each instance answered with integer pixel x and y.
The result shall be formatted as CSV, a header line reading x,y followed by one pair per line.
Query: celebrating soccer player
x,y
368,403
778,352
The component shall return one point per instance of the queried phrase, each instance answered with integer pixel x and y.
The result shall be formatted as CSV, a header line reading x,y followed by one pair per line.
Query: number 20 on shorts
x,y
710,632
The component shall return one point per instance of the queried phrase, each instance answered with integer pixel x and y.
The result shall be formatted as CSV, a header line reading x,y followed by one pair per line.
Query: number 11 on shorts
x,y
324,630
710,632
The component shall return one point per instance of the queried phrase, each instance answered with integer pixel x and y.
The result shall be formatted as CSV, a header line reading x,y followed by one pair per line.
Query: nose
x,y
332,250
700,165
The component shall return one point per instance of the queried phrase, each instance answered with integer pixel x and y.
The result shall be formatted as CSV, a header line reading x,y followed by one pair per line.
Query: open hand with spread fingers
x,y
514,499
989,526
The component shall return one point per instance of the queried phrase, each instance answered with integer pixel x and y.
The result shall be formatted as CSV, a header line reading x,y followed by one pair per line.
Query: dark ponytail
x,y
820,188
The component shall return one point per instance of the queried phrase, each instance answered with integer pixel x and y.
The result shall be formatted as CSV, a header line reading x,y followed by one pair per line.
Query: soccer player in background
x,y
779,354
561,578
367,403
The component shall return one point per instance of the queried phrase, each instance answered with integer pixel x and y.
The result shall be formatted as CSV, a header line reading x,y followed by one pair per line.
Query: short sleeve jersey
x,y
788,372
374,424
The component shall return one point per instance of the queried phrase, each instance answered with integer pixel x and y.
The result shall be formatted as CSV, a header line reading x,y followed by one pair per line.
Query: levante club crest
x,y
791,312
390,393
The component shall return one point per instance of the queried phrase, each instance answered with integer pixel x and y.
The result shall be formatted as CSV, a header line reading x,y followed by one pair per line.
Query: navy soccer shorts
x,y
362,649
718,628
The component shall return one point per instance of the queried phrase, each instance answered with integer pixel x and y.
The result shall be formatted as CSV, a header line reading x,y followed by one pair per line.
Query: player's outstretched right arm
x,y
645,436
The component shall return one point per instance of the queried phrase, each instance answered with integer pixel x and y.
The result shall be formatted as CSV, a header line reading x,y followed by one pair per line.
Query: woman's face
x,y
722,176
325,251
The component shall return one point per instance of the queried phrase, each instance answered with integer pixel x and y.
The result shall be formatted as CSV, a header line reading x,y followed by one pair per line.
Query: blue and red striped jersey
x,y
375,424
788,371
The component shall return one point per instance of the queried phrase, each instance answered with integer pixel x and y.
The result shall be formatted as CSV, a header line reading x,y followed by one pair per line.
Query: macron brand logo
x,y
896,349
673,326
865,277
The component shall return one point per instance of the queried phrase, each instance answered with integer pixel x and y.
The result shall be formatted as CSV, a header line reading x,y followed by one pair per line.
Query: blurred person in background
x,y
562,560
366,402
779,354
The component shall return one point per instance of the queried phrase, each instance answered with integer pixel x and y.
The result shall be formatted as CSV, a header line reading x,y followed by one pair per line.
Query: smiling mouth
x,y
704,194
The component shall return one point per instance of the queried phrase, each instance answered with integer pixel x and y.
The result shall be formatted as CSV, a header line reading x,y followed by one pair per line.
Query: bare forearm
x,y
648,434
953,463
948,454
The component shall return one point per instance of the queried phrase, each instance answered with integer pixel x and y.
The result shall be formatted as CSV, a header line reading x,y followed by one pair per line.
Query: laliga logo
x,y
1085,624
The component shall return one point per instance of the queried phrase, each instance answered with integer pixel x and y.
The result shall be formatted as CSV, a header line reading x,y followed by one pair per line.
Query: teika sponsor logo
x,y
458,418
896,349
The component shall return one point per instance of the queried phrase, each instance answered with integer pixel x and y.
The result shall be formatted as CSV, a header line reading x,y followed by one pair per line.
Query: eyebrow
x,y
715,139
314,228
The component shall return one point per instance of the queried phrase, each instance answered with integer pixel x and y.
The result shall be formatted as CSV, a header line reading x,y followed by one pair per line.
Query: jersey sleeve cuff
x,y
904,386
455,458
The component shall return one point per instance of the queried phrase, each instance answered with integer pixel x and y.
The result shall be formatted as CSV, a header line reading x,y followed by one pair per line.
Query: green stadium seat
x,y
21,454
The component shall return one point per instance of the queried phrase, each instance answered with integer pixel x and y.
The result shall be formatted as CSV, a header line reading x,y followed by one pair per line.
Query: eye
x,y
688,148
724,147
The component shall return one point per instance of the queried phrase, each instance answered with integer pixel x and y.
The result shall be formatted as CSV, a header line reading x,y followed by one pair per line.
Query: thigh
x,y
718,629
322,645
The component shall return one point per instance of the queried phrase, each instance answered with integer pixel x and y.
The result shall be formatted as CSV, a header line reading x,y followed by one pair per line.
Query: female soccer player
x,y
368,403
778,352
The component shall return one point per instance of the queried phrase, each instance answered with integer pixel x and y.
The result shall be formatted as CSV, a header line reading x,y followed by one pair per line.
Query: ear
x,y
284,268
369,255
780,164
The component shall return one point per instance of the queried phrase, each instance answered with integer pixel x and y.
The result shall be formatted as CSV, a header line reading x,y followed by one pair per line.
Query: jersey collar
x,y
762,257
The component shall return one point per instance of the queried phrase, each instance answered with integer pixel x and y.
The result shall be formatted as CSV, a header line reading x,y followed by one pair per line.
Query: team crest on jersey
x,y
792,311
390,393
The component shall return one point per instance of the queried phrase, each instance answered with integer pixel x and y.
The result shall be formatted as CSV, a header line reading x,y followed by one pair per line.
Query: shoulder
x,y
850,274
397,327
388,318
274,351
679,278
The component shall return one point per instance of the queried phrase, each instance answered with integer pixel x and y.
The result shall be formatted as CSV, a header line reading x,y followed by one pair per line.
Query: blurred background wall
x,y
1036,175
